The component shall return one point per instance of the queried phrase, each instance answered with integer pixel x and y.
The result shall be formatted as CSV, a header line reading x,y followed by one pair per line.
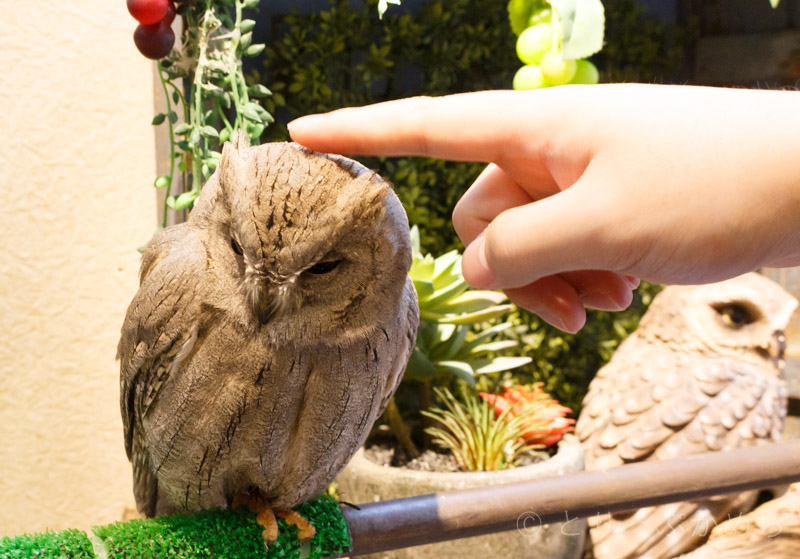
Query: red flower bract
x,y
547,422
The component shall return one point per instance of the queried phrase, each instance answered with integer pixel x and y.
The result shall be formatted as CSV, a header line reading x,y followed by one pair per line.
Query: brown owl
x,y
701,373
268,332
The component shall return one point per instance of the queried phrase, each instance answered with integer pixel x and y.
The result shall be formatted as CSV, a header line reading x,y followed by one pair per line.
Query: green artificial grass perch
x,y
211,534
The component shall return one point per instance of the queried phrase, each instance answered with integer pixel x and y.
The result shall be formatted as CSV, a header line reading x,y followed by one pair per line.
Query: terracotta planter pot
x,y
364,481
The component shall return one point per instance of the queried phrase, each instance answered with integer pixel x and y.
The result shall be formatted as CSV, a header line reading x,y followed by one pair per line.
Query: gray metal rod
x,y
387,525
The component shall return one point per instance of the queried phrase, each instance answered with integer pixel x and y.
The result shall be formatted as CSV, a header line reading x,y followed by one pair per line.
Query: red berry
x,y
154,41
148,12
169,17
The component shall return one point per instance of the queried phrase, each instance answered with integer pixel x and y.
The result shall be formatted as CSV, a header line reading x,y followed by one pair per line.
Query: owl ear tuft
x,y
231,164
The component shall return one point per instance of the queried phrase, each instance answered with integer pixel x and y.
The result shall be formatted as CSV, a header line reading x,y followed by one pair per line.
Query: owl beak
x,y
263,300
265,308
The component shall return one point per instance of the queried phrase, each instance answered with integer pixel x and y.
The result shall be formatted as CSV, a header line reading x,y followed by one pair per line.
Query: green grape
x,y
534,42
555,69
586,72
529,77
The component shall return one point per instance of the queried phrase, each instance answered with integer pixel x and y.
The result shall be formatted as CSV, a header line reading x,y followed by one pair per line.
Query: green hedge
x,y
346,56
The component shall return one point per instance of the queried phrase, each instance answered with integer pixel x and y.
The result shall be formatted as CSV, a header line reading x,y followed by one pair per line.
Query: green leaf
x,y
498,364
458,368
582,24
255,50
259,90
424,288
182,128
422,269
250,112
245,41
419,367
484,335
446,293
224,135
493,347
159,119
172,116
415,245
161,181
479,316
183,201
210,132
247,25
470,301
447,268
256,132
251,4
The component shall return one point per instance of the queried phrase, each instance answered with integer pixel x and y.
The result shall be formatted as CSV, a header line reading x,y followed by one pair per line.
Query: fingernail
x,y
633,281
474,265
571,326
601,302
302,124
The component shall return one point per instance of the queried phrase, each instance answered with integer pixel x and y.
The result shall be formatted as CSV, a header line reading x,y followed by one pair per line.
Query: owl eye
x,y
235,246
323,267
736,315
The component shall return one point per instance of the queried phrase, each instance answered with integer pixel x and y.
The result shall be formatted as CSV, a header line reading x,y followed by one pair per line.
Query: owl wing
x,y
409,322
652,403
159,332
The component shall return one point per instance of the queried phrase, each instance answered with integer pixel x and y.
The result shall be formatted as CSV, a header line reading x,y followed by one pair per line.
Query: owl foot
x,y
266,518
305,530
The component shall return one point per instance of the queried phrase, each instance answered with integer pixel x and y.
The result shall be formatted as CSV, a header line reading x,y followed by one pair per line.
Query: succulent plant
x,y
479,439
545,419
455,335
447,342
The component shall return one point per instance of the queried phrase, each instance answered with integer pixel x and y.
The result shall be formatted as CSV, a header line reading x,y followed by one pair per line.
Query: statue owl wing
x,y
159,332
772,530
652,403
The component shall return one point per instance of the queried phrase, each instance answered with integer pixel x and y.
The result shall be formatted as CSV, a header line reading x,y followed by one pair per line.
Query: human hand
x,y
591,187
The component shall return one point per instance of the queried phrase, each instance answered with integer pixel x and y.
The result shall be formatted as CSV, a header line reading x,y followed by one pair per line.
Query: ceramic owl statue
x,y
701,373
772,531
268,333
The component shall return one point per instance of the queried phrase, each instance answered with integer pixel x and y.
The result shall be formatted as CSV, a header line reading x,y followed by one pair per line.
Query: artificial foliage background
x,y
345,56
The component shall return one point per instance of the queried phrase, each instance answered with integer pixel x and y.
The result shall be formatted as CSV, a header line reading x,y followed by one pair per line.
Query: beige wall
x,y
76,169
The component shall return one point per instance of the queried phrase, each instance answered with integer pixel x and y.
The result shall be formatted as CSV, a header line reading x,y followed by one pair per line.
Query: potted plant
x,y
474,439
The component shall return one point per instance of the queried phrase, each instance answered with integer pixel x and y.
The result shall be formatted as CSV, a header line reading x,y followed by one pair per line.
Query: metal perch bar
x,y
383,526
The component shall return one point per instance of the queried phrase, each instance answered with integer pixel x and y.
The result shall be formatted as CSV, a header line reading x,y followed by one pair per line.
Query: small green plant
x,y
456,338
479,440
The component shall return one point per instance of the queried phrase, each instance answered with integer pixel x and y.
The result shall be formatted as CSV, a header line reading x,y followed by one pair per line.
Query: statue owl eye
x,y
323,267
235,246
736,315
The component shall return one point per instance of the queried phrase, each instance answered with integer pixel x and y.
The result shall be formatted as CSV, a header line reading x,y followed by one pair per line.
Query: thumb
x,y
561,233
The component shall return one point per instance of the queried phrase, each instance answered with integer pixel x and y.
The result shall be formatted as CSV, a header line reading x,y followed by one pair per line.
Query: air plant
x,y
479,439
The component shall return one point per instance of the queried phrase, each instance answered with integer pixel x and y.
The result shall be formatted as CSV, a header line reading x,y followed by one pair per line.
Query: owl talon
x,y
266,518
305,530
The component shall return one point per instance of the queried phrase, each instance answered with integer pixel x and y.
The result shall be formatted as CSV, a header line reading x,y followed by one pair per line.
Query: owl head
x,y
308,244
743,317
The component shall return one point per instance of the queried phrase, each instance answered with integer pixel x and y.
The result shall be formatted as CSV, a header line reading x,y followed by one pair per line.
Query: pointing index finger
x,y
463,127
